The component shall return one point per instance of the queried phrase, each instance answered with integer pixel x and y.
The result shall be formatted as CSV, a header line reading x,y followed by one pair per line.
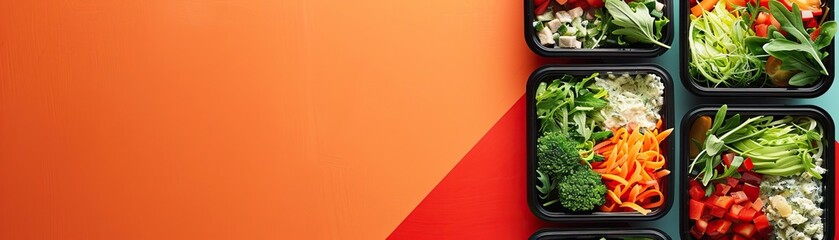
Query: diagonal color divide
x,y
483,197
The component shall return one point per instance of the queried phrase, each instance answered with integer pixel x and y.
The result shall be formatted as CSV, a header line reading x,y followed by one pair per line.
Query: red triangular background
x,y
483,197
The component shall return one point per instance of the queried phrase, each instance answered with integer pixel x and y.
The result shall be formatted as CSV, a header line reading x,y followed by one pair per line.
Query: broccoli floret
x,y
557,155
582,191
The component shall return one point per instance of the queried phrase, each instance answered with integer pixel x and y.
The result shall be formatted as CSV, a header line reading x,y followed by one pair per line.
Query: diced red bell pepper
x,y
732,181
745,229
739,197
697,208
758,204
696,192
751,177
718,228
811,23
752,191
762,30
817,12
747,165
721,189
699,229
747,214
596,3
727,158
806,15
539,2
718,212
725,202
762,223
734,213
738,237
711,201
542,8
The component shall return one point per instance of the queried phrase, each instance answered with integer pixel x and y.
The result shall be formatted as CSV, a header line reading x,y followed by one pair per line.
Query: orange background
x,y
243,119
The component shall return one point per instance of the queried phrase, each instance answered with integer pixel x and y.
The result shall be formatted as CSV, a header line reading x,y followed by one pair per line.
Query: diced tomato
x,y
721,189
697,208
758,204
762,30
739,197
738,237
752,191
696,192
774,22
718,228
711,201
596,3
718,212
817,12
815,34
732,181
751,177
699,229
734,213
747,165
762,18
762,223
539,2
745,229
764,3
806,15
747,214
727,158
811,24
542,8
725,202
706,217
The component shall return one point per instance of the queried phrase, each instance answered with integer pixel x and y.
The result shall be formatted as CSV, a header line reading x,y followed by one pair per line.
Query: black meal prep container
x,y
550,72
787,92
755,110
596,234
624,52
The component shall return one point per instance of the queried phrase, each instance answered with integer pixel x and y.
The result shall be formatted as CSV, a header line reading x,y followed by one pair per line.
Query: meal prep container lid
x,y
815,112
551,72
624,52
793,92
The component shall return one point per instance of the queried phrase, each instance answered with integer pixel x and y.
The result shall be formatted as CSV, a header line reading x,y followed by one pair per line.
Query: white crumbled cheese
x,y
659,6
576,12
546,37
803,195
634,102
796,218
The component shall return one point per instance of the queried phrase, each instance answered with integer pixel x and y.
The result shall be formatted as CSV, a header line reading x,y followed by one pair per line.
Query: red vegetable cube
x,y
734,213
697,208
721,189
711,201
718,228
725,202
762,223
733,182
752,178
748,165
696,192
745,229
758,204
698,229
739,197
752,191
747,214
718,211
811,23
762,30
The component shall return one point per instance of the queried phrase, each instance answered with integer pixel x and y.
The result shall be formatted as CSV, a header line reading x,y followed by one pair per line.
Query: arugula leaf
x,y
828,30
804,54
718,119
547,185
637,25
803,79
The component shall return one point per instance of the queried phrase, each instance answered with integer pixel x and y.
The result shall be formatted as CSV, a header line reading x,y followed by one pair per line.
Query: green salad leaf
x,y
636,24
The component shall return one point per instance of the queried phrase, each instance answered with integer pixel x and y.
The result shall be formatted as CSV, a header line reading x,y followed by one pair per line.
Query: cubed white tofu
x,y
546,37
554,25
564,16
576,12
578,44
567,42
659,6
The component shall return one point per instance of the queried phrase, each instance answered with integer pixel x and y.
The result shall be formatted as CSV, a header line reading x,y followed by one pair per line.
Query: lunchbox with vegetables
x,y
598,28
599,142
758,173
600,234
743,48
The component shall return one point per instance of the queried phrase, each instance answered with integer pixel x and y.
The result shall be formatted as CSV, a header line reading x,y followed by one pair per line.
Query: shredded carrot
x,y
632,169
